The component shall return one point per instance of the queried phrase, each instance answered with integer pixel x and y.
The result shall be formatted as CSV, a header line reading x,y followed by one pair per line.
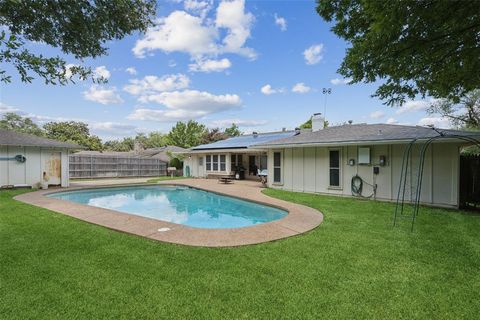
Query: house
x,y
226,157
325,160
106,164
27,160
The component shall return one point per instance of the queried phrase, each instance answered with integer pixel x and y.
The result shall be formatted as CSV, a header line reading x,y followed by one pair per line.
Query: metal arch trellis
x,y
400,203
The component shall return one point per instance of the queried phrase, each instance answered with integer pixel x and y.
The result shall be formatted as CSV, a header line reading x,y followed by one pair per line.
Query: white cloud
x,y
313,54
301,88
281,22
200,37
185,105
4,108
113,128
377,114
102,95
437,122
153,84
131,70
101,72
239,122
200,8
392,121
232,16
338,81
210,65
268,90
181,32
415,105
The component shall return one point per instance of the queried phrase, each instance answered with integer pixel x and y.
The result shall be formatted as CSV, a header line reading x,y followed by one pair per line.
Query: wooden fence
x,y
100,166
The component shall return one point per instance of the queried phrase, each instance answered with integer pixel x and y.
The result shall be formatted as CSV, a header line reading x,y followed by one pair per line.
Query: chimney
x,y
318,122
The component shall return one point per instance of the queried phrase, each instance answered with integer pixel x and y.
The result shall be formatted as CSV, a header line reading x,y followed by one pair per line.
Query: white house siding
x,y
31,171
306,169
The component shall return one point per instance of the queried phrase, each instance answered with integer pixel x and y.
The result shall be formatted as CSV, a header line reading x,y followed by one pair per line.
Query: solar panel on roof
x,y
245,141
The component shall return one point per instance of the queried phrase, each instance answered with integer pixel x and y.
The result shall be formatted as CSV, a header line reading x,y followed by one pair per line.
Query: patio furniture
x,y
225,180
263,174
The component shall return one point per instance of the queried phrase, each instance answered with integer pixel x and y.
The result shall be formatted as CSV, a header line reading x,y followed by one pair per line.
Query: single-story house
x,y
225,157
28,160
324,160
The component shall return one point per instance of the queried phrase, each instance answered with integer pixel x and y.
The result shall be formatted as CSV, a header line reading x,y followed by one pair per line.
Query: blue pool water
x,y
182,205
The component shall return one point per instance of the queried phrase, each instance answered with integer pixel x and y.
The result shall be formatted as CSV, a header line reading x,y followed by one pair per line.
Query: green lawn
x,y
355,265
155,180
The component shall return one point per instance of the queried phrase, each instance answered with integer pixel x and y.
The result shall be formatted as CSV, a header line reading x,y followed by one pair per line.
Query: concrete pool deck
x,y
300,219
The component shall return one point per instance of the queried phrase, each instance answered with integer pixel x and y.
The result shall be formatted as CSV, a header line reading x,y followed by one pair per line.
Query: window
x,y
209,162
277,167
223,166
237,161
215,162
334,168
200,161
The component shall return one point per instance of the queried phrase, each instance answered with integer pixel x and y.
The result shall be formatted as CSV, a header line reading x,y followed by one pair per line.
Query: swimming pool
x,y
177,204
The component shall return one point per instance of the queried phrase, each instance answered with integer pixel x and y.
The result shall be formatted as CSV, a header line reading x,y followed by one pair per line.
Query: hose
x,y
357,187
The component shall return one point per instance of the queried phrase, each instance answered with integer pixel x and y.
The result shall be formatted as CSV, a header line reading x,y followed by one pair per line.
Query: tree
x,y
307,124
465,114
73,132
80,28
13,121
155,140
213,135
186,135
125,145
233,131
412,47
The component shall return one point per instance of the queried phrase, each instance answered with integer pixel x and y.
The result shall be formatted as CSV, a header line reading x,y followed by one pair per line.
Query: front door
x,y
52,168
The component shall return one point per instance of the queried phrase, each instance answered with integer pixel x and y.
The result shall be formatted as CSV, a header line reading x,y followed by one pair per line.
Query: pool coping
x,y
299,219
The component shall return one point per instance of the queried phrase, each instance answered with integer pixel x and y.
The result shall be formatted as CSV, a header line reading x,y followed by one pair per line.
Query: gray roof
x,y
245,141
13,138
358,133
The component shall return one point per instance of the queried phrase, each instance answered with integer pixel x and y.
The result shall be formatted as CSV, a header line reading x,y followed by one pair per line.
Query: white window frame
x,y
277,167
218,163
208,164
340,178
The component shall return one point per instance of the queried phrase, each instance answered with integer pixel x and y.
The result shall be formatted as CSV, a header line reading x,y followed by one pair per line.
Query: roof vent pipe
x,y
297,131
318,122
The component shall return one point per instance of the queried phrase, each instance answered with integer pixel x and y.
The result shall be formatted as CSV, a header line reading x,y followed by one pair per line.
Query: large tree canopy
x,y
13,121
413,47
77,27
464,115
187,135
74,132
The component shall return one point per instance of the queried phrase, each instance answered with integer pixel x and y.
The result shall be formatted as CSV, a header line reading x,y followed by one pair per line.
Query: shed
x,y
28,160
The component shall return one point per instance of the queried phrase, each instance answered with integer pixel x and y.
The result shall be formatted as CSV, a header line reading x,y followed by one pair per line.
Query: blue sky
x,y
261,64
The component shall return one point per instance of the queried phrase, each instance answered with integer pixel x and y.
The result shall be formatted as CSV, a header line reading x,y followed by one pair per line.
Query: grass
x,y
155,180
355,265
